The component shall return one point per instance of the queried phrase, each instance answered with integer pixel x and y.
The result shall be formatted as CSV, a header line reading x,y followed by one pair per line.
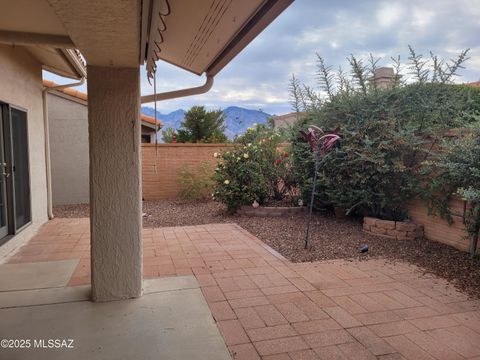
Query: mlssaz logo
x,y
53,343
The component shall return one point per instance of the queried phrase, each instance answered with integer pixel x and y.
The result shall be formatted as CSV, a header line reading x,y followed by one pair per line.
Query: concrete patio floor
x,y
269,308
170,321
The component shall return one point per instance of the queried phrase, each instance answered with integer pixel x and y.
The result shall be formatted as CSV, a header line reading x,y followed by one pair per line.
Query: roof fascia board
x,y
258,22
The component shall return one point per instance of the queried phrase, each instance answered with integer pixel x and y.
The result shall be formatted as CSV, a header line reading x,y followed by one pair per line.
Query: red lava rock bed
x,y
332,238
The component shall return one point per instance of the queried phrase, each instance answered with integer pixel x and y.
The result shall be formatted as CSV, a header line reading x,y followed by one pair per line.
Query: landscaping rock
x,y
393,229
406,226
385,224
369,220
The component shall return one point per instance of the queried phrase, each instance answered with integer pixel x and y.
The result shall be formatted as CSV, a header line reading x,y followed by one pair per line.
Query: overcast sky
x,y
258,77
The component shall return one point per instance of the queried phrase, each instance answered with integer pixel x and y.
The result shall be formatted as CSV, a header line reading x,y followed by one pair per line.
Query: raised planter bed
x,y
398,230
270,211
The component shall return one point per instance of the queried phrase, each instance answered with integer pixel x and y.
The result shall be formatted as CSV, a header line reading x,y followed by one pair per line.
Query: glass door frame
x,y
4,230
6,133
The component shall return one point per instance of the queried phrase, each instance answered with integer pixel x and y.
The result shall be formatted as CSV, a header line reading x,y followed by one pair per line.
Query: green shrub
x,y
196,183
419,108
255,171
385,134
372,172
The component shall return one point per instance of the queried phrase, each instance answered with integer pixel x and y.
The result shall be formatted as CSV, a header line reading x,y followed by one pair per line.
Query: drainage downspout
x,y
46,127
179,93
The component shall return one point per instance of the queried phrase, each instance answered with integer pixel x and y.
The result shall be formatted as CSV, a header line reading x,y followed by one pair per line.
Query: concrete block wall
x,y
437,229
160,165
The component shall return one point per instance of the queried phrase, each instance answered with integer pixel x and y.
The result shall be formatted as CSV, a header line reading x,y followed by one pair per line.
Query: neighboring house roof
x,y
151,120
146,120
475,83
69,91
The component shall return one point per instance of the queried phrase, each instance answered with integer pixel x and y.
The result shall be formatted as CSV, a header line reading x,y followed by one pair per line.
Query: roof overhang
x,y
61,61
201,36
205,37
33,24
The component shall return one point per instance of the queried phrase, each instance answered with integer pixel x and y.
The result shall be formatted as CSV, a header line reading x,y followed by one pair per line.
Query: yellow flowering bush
x,y
253,172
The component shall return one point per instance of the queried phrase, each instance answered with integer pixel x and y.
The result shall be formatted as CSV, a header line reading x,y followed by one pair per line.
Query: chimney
x,y
383,78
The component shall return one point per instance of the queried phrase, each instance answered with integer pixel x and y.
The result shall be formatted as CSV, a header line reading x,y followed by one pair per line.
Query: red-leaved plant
x,y
319,141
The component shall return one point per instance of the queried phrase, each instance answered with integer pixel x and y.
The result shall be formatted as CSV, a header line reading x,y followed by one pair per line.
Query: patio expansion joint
x,y
43,304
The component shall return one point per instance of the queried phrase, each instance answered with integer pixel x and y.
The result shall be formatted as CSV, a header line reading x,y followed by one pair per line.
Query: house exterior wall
x,y
148,132
21,85
68,120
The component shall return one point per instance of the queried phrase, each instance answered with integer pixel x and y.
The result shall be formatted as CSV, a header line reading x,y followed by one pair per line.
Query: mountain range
x,y
237,119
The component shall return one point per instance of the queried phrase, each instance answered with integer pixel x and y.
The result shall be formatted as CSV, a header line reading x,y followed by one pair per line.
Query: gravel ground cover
x,y
332,238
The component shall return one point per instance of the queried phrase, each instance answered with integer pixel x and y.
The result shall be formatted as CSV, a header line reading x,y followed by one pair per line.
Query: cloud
x,y
258,77
390,14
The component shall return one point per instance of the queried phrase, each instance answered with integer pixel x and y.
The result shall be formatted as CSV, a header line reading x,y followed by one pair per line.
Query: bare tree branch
x,y
359,73
325,77
295,93
417,65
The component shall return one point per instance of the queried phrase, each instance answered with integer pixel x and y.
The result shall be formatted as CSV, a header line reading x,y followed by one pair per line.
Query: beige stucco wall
x,y
115,182
68,123
21,85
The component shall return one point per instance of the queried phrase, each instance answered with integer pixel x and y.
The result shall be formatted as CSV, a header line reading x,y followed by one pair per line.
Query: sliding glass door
x,y
15,205
20,173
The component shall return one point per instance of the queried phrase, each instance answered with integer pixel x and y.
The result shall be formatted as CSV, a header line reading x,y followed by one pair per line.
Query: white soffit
x,y
107,32
192,34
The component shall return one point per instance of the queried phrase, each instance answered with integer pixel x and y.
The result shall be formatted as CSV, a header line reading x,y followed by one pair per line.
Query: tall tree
x,y
204,126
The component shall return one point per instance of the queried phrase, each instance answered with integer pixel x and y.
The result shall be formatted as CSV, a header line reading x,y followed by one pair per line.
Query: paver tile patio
x,y
269,308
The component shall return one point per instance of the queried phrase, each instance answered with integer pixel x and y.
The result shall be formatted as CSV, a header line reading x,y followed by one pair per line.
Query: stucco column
x,y
115,182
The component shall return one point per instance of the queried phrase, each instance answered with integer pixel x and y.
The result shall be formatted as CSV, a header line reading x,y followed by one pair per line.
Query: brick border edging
x,y
269,211
397,230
